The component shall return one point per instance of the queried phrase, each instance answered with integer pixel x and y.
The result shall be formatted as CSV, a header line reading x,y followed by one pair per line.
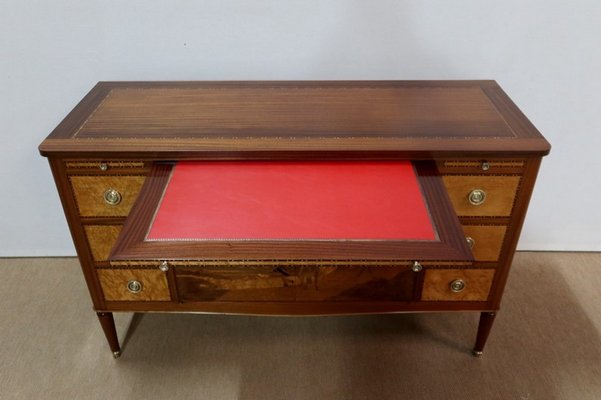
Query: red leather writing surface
x,y
292,200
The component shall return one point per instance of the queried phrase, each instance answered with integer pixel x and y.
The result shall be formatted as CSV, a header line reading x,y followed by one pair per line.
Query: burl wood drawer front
x,y
101,239
497,194
457,284
92,200
236,283
485,240
134,284
356,283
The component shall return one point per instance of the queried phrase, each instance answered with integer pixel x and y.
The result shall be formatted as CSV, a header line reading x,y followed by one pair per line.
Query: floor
x,y
545,344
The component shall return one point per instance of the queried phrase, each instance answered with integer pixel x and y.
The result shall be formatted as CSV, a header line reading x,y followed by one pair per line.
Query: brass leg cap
x,y
116,354
476,353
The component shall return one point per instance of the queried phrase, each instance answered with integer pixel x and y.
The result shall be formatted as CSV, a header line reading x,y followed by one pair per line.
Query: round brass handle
x,y
470,241
457,286
134,286
103,166
112,197
476,197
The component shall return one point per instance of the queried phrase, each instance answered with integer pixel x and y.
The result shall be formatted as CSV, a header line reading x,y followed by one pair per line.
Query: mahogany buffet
x,y
295,198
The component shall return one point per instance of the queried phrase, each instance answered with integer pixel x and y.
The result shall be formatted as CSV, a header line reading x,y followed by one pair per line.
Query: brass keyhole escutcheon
x,y
112,197
457,286
476,197
134,286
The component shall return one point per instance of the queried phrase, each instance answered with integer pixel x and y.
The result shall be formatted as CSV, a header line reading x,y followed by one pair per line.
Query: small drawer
x,y
106,196
134,284
480,196
101,239
236,283
485,240
481,166
101,166
357,283
457,284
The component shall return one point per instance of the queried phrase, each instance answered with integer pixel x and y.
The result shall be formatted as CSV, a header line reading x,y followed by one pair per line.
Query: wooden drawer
x,y
357,283
101,239
236,283
90,192
105,167
481,166
116,284
438,284
500,192
486,240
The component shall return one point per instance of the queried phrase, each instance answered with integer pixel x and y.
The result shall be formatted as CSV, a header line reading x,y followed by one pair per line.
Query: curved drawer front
x,y
94,201
236,283
295,283
457,284
496,194
134,284
357,283
486,241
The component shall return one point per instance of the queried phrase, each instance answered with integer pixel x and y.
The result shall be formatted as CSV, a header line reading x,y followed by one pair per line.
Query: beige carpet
x,y
545,345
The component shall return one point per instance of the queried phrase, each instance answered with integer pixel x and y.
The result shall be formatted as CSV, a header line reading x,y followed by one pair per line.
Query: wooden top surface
x,y
251,117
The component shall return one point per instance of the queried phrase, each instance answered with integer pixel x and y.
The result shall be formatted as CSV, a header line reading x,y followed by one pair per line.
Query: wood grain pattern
x,y
488,240
500,194
101,239
477,284
236,283
297,111
114,284
344,283
253,120
89,191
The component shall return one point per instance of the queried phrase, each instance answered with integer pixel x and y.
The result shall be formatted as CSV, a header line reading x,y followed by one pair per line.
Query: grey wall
x,y
545,54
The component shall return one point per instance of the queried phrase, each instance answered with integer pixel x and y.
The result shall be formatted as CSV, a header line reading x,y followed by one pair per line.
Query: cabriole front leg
x,y
484,327
108,326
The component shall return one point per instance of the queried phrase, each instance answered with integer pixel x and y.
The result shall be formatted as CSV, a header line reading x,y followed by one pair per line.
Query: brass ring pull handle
x,y
457,286
476,197
470,241
134,286
112,197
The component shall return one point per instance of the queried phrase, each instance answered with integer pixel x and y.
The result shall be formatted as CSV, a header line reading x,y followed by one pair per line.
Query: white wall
x,y
545,54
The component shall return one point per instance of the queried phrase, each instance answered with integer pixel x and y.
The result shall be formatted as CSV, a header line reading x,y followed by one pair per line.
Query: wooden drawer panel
x,y
101,239
101,166
236,283
500,194
471,166
153,282
437,284
487,240
356,283
89,194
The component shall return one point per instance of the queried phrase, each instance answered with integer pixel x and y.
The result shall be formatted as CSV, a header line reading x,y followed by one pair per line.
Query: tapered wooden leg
x,y
108,326
486,321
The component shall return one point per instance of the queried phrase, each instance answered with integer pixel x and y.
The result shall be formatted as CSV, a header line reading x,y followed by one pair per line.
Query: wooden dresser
x,y
281,156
